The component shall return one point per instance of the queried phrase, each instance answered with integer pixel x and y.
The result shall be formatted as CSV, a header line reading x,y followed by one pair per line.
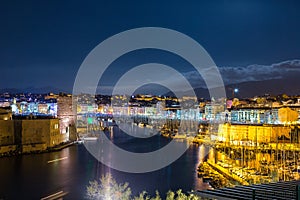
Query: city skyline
x,y
283,75
141,99
44,44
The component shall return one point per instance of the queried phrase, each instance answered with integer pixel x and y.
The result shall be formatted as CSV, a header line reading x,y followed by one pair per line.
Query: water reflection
x,y
33,177
202,155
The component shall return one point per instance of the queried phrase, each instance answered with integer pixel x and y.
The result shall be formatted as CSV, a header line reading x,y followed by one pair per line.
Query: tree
x,y
143,196
109,189
179,195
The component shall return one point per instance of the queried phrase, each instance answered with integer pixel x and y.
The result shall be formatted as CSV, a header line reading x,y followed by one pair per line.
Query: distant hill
x,y
272,87
289,85
10,90
246,89
38,90
255,88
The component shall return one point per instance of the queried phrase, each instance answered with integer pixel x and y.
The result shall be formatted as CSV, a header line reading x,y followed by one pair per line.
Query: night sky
x,y
43,43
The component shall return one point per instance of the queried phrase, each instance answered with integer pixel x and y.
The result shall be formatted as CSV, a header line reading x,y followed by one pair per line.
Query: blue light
x,y
236,90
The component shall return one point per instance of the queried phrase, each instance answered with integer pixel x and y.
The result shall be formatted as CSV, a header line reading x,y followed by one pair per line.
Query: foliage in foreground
x,y
108,189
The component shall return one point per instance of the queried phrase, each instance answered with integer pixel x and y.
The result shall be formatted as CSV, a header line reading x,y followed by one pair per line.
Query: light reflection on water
x,y
33,177
202,154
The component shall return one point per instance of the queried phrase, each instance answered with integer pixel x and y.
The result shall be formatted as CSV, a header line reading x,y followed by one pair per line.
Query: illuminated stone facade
x,y
5,113
287,115
29,135
239,134
66,117
38,134
7,138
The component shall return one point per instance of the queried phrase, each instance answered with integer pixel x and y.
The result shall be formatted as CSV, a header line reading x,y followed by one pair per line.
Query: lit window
x,y
55,126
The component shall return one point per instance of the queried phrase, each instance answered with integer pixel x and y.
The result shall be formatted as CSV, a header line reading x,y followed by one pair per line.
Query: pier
x,y
226,173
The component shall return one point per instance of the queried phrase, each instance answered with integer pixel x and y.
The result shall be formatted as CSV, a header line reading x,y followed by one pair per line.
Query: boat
x,y
90,138
200,174
79,141
206,179
177,136
263,162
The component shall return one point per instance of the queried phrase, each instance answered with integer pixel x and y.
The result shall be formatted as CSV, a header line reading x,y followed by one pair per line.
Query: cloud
x,y
230,75
288,65
235,75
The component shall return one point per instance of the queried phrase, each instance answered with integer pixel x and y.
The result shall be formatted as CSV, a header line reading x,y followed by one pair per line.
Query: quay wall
x,y
30,135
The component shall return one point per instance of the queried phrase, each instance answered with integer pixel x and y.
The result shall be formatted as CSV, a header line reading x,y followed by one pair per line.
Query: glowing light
x,y
57,195
58,159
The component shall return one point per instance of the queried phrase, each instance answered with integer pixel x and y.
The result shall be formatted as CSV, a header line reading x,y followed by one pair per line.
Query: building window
x,y
55,126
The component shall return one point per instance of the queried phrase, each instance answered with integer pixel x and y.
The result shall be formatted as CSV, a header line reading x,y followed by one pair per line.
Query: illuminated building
x,y
254,115
7,139
244,134
30,134
36,108
66,116
264,115
5,113
287,115
214,111
37,134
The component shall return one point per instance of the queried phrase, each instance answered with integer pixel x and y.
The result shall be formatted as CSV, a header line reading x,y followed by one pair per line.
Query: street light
x,y
234,91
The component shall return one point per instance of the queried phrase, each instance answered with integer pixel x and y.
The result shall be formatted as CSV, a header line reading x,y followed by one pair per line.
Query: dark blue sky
x,y
42,43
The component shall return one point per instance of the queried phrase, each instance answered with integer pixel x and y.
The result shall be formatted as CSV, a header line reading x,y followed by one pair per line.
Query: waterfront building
x,y
36,108
29,134
66,116
214,112
38,134
7,138
263,115
160,108
35,128
253,115
250,135
287,115
118,110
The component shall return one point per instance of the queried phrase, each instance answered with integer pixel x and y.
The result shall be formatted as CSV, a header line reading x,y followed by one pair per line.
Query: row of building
x,y
36,131
29,125
208,113
259,110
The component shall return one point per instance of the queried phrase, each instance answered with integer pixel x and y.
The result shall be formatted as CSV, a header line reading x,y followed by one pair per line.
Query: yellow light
x,y
56,160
